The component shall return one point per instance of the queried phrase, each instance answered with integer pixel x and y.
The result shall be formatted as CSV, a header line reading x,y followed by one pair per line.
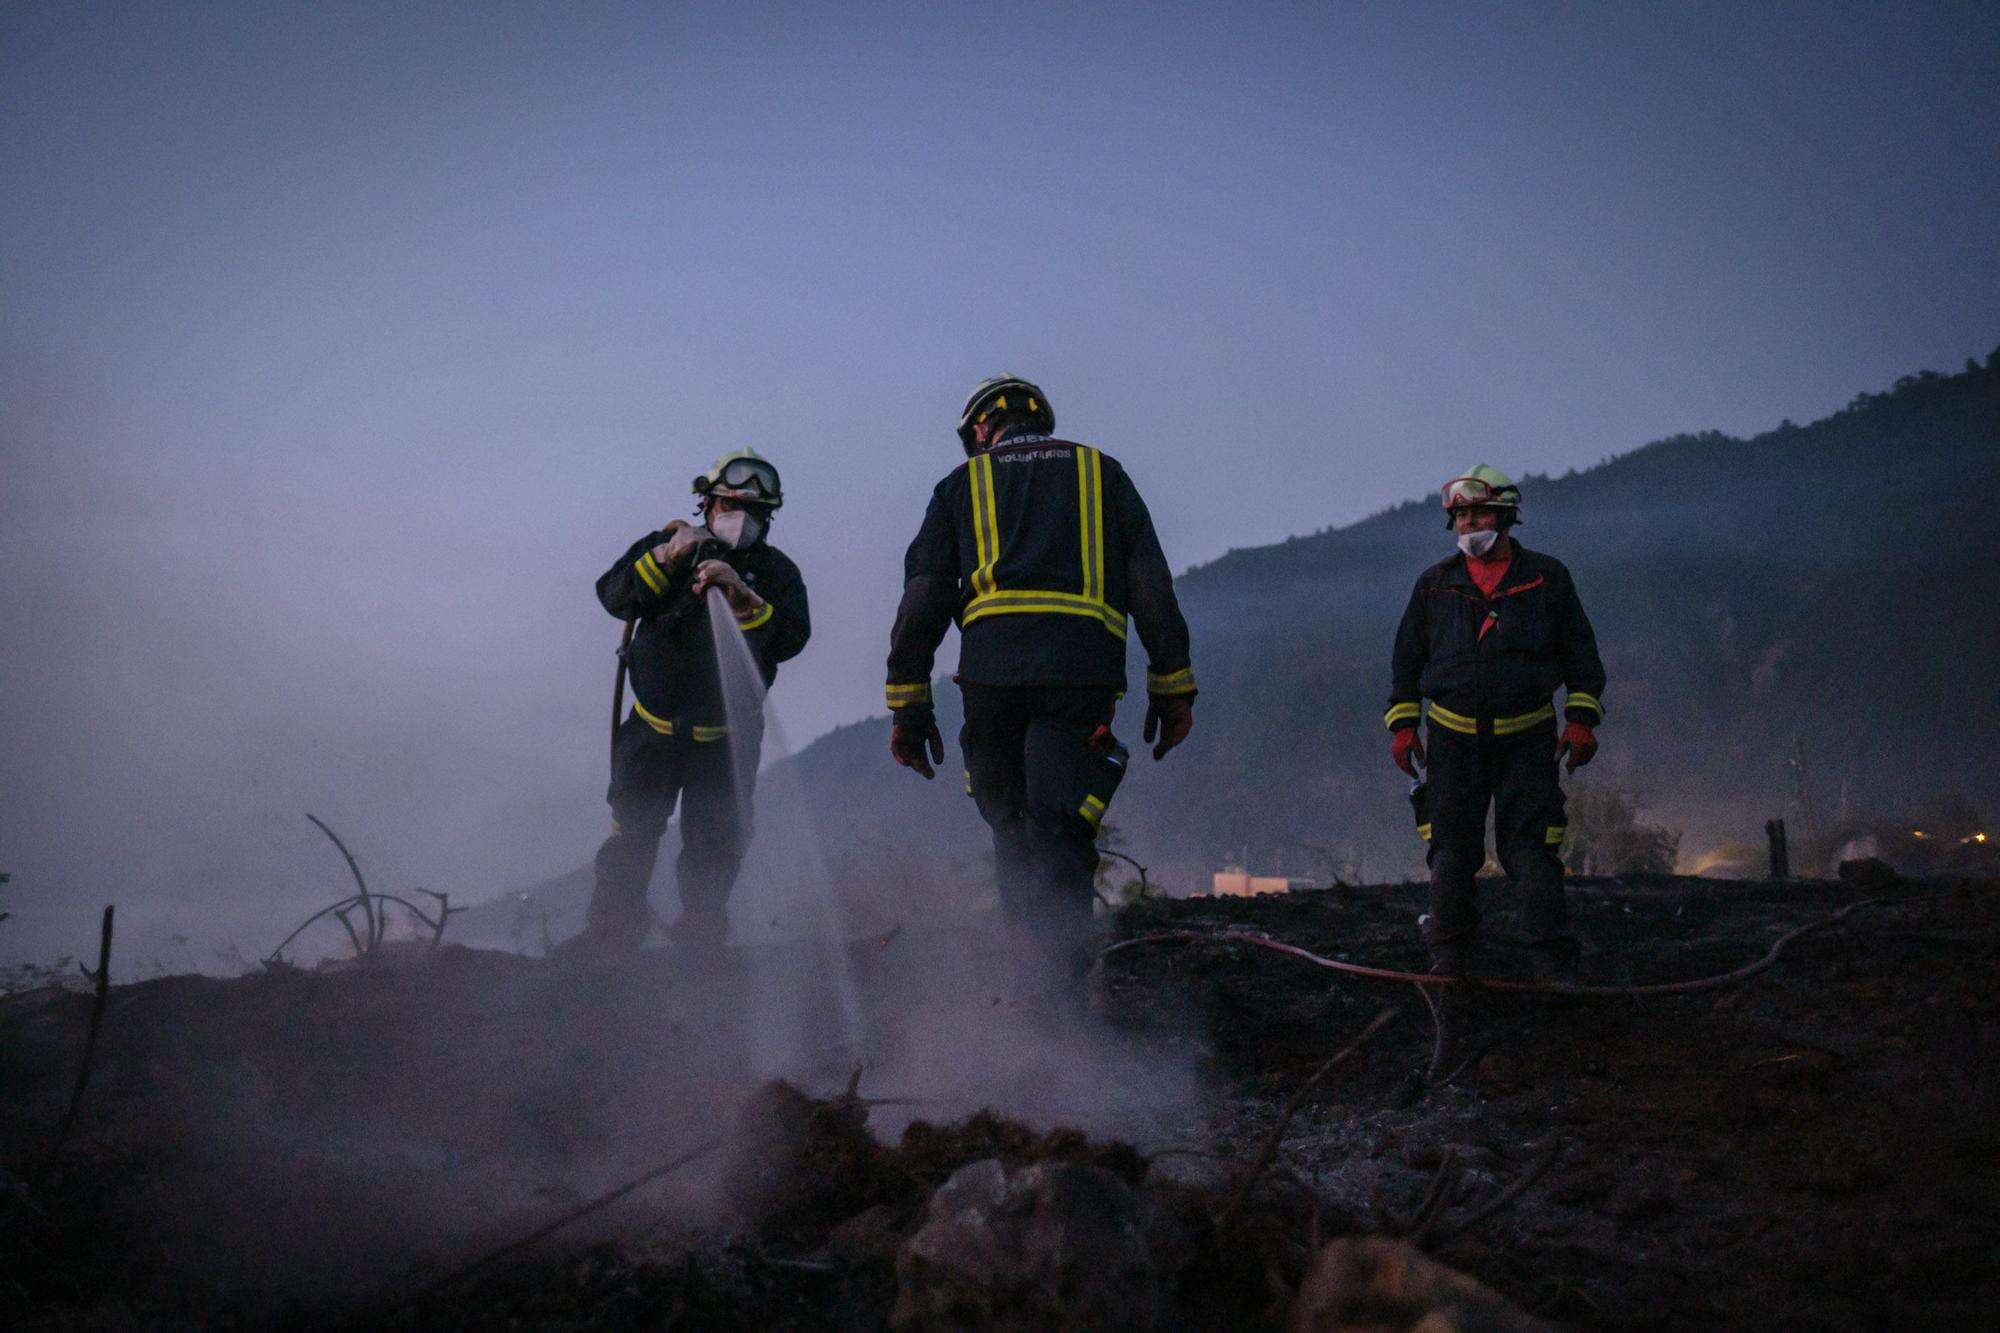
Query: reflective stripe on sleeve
x,y
1401,713
752,619
1578,699
902,696
1173,682
650,573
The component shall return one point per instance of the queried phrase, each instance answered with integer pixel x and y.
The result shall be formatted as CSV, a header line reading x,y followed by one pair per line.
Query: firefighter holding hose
x,y
1488,637
1040,550
676,745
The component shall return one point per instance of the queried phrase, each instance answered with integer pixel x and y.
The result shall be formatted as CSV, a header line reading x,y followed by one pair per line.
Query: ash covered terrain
x,y
429,1138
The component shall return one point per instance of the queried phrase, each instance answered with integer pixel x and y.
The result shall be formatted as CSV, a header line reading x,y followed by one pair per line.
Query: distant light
x,y
1919,833
1979,837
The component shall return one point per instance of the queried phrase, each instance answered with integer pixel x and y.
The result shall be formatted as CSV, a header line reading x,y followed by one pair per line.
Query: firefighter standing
x,y
1488,636
1038,549
676,745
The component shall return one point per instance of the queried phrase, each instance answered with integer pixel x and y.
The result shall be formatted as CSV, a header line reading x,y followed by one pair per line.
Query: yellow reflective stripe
x,y
752,619
985,524
1504,726
1555,835
650,573
1578,699
1449,720
659,724
1174,682
1092,810
1090,519
1402,713
665,726
1507,726
1013,600
1424,832
902,695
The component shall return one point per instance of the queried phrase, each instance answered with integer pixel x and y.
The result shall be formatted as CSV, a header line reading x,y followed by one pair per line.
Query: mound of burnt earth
x,y
1813,1147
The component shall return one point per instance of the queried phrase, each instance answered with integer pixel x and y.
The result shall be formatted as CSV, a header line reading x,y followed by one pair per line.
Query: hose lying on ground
x,y
1264,941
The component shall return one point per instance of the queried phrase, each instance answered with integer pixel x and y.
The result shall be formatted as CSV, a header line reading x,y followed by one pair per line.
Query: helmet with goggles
x,y
1007,395
1483,487
745,476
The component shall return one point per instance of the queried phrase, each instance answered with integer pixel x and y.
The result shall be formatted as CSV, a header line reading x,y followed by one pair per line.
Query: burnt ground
x,y
1816,1148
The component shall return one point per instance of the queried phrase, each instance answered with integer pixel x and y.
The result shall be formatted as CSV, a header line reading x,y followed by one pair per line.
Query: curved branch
x,y
1145,886
374,927
272,956
1726,979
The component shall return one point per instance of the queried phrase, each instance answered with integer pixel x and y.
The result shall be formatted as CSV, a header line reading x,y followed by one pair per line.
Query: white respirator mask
x,y
737,529
1477,544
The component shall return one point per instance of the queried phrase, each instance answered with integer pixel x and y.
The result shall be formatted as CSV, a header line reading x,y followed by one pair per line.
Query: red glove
x,y
915,732
1172,717
1580,741
1404,744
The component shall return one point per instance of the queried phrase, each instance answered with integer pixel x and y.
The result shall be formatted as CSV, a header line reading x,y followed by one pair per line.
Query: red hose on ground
x,y
1263,941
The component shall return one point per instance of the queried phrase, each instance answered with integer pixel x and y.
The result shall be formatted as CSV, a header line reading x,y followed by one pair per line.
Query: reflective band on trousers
x,y
1502,726
665,726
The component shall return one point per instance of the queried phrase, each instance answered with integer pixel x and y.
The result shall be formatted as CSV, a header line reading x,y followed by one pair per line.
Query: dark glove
x,y
1405,744
915,732
1171,716
1580,741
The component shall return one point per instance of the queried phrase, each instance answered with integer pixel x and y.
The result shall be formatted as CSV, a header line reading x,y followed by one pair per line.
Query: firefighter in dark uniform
x,y
676,744
1039,549
1488,637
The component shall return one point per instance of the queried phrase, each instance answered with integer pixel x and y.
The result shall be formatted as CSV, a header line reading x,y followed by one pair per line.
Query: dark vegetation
x,y
1810,1150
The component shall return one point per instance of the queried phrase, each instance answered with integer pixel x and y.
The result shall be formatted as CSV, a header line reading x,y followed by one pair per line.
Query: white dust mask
x,y
737,529
1478,544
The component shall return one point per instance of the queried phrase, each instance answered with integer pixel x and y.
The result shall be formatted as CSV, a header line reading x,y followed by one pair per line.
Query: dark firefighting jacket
x,y
676,686
1039,550
1488,666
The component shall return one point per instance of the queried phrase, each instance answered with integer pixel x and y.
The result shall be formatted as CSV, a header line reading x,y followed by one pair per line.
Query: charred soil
x,y
1814,1148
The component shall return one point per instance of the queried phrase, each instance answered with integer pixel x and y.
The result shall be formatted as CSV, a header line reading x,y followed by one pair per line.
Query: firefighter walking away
x,y
1040,550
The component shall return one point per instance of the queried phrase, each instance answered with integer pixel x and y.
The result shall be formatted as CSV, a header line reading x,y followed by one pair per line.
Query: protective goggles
x,y
742,474
1466,492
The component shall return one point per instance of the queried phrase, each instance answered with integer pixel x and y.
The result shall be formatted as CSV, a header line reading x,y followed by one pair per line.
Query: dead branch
x,y
576,1214
102,978
1726,979
378,919
1536,1170
1269,1151
1435,1197
340,915
374,927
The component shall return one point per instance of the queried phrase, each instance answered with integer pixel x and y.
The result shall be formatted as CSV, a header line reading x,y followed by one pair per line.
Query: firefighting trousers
x,y
651,774
1516,775
1042,786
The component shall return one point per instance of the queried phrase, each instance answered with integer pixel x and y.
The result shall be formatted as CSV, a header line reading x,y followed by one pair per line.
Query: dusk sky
x,y
343,346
